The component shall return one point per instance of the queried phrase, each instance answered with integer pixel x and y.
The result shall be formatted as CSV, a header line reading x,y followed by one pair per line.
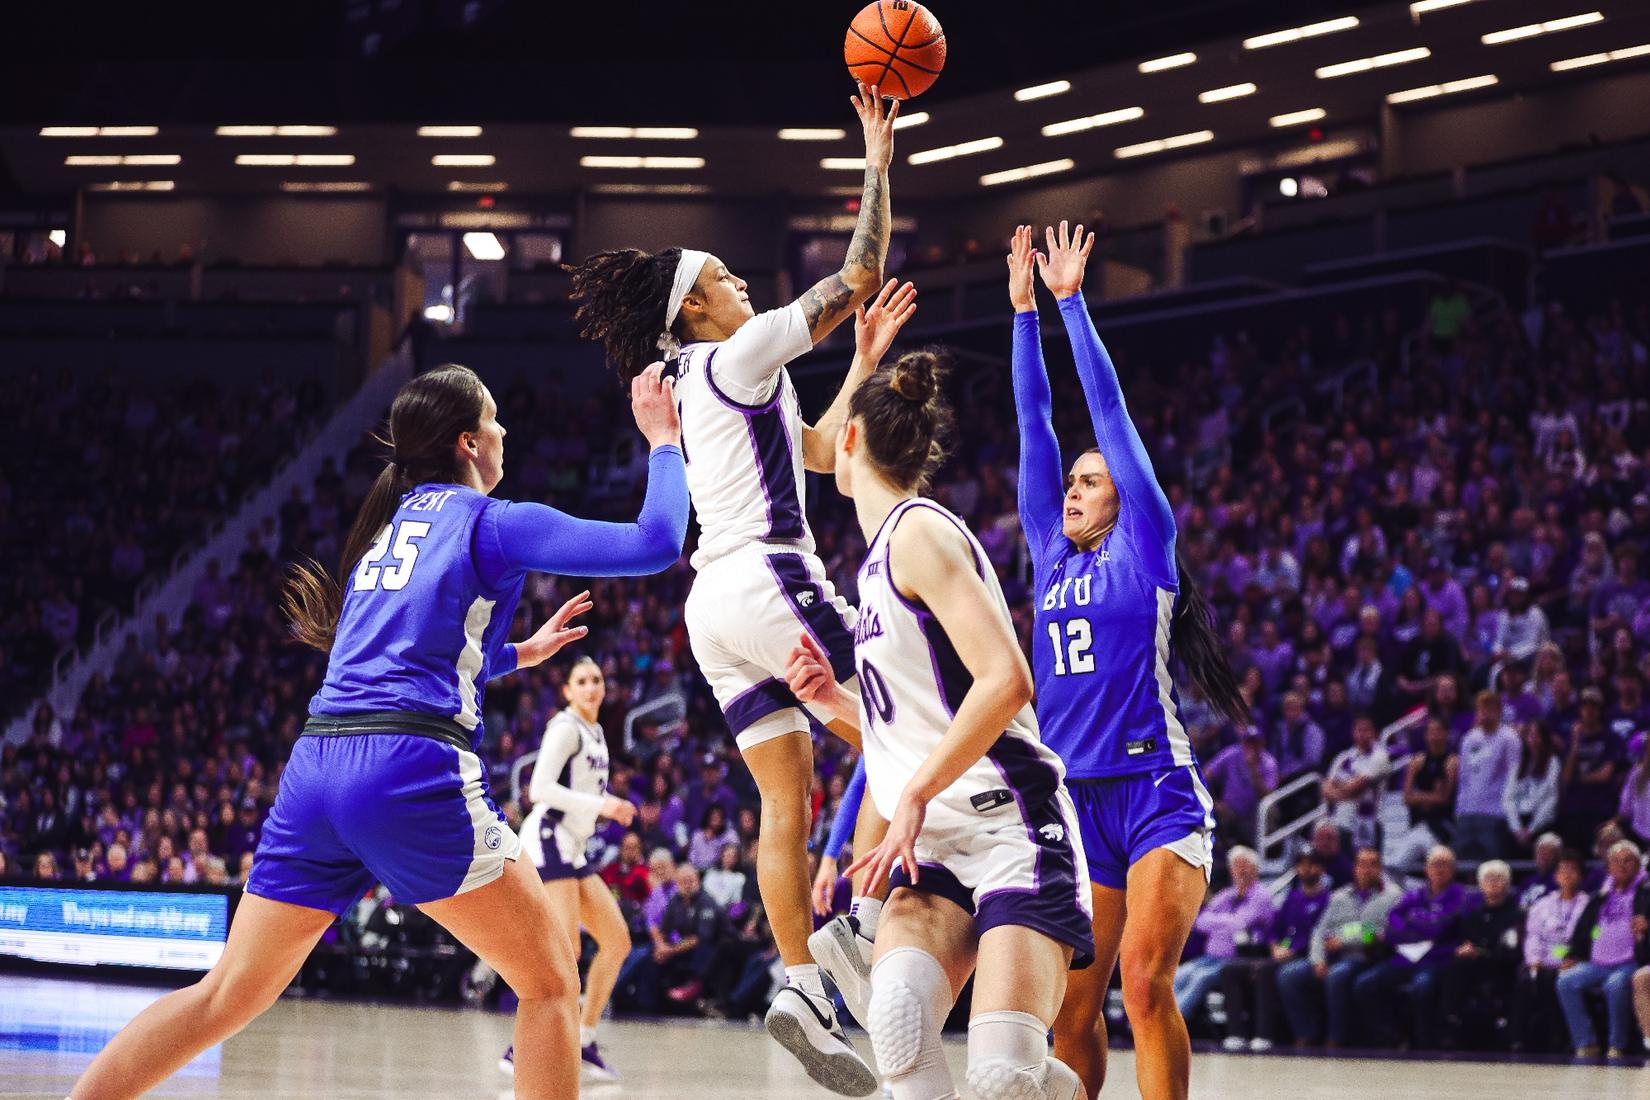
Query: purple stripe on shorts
x,y
757,702
934,879
820,616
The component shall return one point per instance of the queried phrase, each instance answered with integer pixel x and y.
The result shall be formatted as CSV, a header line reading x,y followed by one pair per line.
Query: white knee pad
x,y
910,998
1008,1059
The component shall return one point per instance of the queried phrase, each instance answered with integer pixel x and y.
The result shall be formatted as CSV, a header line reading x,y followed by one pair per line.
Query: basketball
x,y
896,45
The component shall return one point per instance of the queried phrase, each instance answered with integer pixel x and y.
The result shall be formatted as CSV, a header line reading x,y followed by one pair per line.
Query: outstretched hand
x,y
877,323
878,125
1022,257
555,633
1068,253
898,847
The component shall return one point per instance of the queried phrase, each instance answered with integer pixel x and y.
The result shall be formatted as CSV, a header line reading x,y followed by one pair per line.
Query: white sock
x,y
806,978
866,911
587,1035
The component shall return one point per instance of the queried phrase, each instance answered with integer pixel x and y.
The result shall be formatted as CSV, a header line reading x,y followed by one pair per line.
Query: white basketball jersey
x,y
911,682
742,436
569,778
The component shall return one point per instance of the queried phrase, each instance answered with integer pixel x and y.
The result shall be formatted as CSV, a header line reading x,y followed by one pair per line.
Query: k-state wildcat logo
x,y
1053,832
805,599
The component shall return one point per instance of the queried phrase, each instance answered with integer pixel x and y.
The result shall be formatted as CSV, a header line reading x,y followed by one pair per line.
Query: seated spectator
x,y
1529,803
627,876
1233,919
1489,758
1548,930
725,882
1353,787
1520,625
1429,792
1344,945
690,930
1250,981
1432,653
1543,879
713,834
1298,742
1330,848
1595,761
1240,776
1478,980
1423,931
1602,957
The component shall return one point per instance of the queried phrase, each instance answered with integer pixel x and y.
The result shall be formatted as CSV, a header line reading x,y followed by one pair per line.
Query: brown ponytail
x,y
427,416
905,417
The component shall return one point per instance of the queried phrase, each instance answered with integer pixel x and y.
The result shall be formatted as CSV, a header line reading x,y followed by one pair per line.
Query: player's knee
x,y
238,999
1008,1060
910,997
1148,990
556,977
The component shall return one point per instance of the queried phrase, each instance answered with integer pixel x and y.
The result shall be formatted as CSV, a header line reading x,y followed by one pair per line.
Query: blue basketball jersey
x,y
419,630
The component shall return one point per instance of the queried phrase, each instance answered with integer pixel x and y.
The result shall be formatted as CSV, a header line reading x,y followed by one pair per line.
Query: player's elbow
x,y
1017,685
861,279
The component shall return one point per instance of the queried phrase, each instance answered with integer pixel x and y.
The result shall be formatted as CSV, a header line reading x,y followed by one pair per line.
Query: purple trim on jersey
x,y
778,391
757,702
771,442
951,676
819,616
916,606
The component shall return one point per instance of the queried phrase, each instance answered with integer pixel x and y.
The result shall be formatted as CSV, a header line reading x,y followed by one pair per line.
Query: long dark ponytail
x,y
1194,639
427,416
622,296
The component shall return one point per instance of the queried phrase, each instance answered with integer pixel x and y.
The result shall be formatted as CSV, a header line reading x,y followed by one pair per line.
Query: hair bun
x,y
915,377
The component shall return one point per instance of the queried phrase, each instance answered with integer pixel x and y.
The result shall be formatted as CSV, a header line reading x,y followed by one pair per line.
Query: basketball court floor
x,y
50,1028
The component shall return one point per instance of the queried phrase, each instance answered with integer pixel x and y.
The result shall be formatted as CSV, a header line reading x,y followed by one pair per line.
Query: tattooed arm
x,y
830,301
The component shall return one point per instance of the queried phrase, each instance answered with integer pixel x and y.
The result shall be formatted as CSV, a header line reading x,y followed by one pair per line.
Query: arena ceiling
x,y
330,97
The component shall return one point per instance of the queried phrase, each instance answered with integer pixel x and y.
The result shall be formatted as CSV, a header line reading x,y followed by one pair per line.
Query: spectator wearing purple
x,y
710,790
1633,813
1234,918
1297,741
1241,775
661,870
1601,957
1594,764
1353,786
1444,595
1617,601
1548,929
1423,931
1343,946
1250,981
1331,851
1489,758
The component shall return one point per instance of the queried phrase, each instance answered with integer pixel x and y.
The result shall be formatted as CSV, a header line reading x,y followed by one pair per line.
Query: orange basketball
x,y
896,45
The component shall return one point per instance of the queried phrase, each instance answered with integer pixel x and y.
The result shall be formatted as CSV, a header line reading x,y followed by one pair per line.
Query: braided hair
x,y
622,296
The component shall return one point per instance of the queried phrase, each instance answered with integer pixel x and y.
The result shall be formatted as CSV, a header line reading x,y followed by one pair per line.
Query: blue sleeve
x,y
505,663
1042,486
847,814
1131,468
518,536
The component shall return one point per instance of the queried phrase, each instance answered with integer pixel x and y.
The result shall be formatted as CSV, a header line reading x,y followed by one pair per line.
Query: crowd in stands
x,y
1464,544
135,470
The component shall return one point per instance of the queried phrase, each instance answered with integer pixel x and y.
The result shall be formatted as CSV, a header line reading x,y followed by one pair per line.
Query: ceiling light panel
x,y
961,149
1379,61
1231,91
1295,34
1551,26
1030,171
1173,61
1091,122
1043,91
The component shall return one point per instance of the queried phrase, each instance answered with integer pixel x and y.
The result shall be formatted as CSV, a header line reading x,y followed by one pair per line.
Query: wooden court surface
x,y
50,1028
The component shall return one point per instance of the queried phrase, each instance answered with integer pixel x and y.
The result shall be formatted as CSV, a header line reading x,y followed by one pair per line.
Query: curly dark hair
x,y
621,298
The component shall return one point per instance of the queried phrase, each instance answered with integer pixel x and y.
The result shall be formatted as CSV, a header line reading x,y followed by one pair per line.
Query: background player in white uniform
x,y
569,796
983,843
747,449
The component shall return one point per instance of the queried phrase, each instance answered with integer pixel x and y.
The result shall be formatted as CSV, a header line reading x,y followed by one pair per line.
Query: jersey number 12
x,y
402,541
1074,656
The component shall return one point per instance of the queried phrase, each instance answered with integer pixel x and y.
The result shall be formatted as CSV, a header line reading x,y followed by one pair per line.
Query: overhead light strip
x,y
1091,122
962,149
449,131
803,133
843,164
325,186
1599,58
1295,118
1465,84
1379,61
1295,34
1162,144
300,160
1043,91
134,185
1173,61
652,189
1030,171
1422,7
1231,91
131,160
468,186
654,133
641,162
1551,26
463,160
484,246
98,131
915,118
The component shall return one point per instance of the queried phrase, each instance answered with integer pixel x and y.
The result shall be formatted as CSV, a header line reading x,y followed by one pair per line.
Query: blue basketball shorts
x,y
1124,817
409,811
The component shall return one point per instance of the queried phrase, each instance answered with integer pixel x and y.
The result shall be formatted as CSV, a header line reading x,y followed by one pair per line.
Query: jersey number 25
x,y
402,541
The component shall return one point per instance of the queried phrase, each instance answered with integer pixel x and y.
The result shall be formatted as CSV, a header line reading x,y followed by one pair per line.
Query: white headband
x,y
687,273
